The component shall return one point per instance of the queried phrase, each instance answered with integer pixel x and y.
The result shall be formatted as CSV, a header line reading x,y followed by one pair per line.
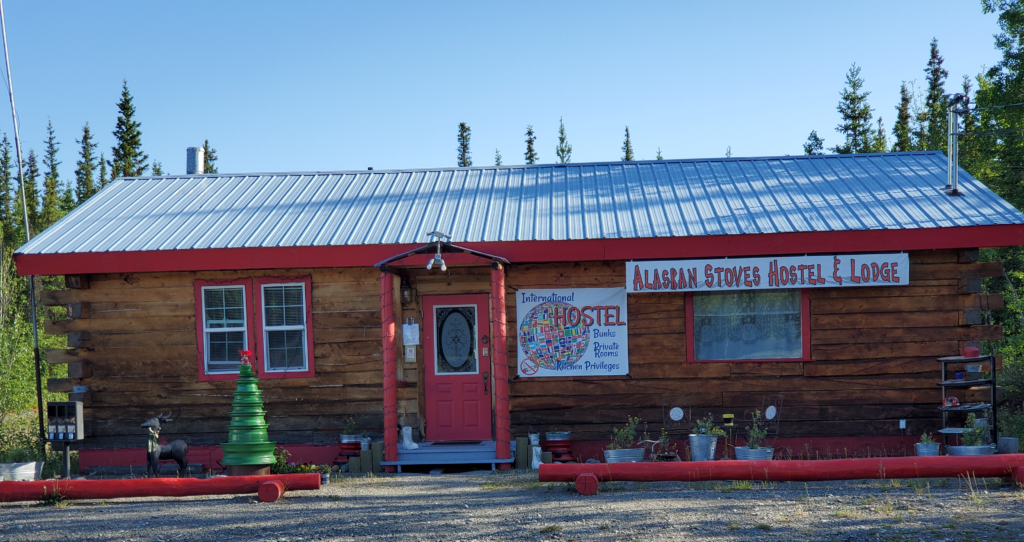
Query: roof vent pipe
x,y
952,150
196,156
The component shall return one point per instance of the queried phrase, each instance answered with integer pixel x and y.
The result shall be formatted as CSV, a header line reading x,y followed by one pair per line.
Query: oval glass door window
x,y
455,339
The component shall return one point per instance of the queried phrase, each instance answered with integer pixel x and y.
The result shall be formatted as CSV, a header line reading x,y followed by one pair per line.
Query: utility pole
x,y
28,235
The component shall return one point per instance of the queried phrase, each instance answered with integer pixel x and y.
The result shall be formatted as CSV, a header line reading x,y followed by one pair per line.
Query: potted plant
x,y
622,450
755,437
664,449
927,446
348,432
325,474
704,439
971,439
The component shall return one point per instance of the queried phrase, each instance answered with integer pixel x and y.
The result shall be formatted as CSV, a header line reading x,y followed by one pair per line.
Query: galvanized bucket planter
x,y
624,455
21,472
1008,445
743,452
927,450
986,449
349,439
702,447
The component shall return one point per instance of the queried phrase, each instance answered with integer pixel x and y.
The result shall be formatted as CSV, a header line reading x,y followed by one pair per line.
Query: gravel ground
x,y
514,506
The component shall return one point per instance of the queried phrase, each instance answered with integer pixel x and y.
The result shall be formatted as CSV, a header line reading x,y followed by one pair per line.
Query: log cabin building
x,y
559,297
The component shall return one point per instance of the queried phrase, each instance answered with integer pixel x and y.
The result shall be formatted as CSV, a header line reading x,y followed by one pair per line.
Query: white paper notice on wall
x,y
410,334
410,354
572,332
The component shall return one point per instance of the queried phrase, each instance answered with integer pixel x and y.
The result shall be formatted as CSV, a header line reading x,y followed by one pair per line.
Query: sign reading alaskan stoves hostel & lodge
x,y
763,273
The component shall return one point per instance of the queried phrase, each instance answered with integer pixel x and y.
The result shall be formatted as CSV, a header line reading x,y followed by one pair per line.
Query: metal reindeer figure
x,y
176,450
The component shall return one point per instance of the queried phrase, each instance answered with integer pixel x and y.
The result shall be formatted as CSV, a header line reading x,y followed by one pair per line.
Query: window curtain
x,y
756,324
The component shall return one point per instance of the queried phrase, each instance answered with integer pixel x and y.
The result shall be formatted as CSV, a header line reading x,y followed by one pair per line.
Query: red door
x,y
457,371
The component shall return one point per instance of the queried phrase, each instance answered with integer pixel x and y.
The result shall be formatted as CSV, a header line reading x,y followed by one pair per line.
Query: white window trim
x,y
267,329
207,330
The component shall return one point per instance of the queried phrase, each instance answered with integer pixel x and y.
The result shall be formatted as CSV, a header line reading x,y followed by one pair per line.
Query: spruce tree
x,y
50,211
7,219
465,158
158,168
627,148
128,158
531,153
497,157
814,145
879,141
209,158
856,124
659,156
103,171
901,131
31,189
934,137
85,183
563,149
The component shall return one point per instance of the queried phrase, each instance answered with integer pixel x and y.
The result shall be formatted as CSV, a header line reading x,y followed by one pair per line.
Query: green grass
x,y
764,526
551,529
511,481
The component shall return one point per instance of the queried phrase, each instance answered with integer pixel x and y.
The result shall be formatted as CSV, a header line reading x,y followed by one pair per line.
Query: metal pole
x,y
28,234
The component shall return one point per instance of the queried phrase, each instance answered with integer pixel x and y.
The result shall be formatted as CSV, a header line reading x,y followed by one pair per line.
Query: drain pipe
x,y
952,147
28,236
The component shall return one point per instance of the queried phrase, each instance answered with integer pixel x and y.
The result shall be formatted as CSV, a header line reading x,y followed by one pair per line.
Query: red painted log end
x,y
586,484
270,491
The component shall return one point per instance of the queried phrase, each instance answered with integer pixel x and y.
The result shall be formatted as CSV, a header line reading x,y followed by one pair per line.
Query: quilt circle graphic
x,y
548,343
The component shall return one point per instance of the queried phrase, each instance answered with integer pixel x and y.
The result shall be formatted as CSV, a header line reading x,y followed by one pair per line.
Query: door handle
x,y
487,377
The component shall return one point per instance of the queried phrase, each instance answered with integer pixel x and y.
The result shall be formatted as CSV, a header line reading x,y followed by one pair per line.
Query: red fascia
x,y
704,246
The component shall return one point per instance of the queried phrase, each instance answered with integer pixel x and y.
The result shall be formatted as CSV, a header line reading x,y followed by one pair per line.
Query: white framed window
x,y
284,327
224,327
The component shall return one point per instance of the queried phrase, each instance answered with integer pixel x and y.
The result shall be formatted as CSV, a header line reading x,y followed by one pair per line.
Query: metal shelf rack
x,y
946,384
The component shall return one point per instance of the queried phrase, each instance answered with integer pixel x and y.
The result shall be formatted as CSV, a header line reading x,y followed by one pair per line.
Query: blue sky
x,y
307,86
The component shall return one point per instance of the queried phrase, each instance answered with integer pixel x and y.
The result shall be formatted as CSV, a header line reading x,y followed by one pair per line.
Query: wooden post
x,y
499,359
387,324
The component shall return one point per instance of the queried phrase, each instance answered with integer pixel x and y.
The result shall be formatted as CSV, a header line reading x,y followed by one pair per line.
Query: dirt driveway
x,y
467,507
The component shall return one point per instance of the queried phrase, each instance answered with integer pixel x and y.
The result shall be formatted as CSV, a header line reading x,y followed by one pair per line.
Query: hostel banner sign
x,y
572,332
763,273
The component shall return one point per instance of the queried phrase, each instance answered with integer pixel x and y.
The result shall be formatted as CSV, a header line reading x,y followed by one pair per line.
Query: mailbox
x,y
64,421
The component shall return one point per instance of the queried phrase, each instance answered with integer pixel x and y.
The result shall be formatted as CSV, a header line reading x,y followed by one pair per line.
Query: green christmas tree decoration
x,y
248,450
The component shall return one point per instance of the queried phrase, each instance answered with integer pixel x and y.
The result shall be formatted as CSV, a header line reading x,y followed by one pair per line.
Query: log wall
x,y
874,350
133,344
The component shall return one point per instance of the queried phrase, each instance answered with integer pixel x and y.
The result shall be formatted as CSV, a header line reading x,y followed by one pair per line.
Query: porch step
x,y
431,453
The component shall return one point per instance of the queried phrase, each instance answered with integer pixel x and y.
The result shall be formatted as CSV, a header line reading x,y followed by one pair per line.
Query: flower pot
x,y
927,450
624,455
551,436
985,449
1008,445
349,439
743,452
21,472
325,479
702,447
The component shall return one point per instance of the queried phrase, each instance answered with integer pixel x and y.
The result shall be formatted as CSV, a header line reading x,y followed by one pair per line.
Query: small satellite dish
x,y
769,413
676,414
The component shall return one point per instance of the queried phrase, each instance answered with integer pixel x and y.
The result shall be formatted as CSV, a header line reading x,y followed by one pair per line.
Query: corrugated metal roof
x,y
668,198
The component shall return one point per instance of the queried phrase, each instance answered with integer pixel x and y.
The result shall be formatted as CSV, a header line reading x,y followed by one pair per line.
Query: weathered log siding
x,y
134,345
874,352
139,357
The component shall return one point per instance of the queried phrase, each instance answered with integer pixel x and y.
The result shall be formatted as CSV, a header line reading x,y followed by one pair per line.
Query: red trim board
x,y
705,246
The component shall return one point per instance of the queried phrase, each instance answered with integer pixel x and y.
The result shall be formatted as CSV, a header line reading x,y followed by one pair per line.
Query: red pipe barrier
x,y
986,466
151,487
270,491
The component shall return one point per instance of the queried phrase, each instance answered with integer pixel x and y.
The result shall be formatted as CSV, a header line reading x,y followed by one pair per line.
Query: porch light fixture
x,y
437,260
